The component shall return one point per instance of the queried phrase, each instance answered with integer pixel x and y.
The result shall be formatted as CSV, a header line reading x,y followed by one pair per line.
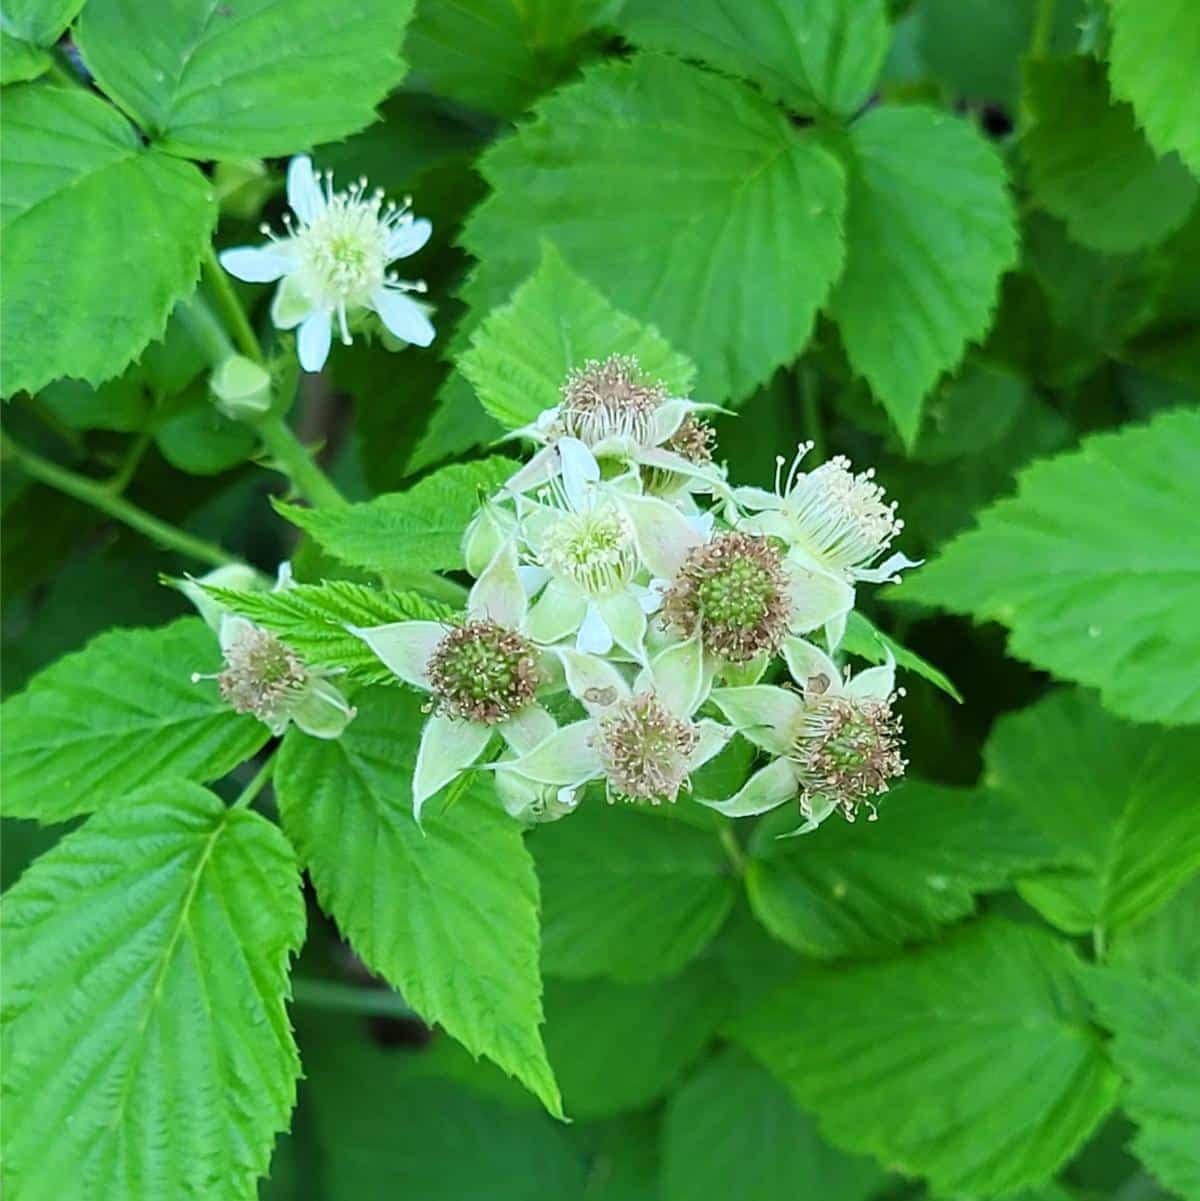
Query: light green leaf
x,y
1152,60
421,527
1156,1047
245,80
733,1131
930,229
118,714
76,303
521,355
866,888
970,1062
736,202
448,916
147,1048
1165,943
812,55
312,620
1090,165
40,22
617,1047
628,895
1095,568
865,639
499,55
1118,801
20,61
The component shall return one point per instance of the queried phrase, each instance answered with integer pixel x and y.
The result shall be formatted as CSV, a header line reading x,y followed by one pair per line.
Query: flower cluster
x,y
632,612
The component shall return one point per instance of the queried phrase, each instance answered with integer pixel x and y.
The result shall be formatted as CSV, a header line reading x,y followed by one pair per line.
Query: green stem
x,y
230,307
257,784
119,480
297,464
810,406
347,998
1043,27
733,850
100,496
1098,943
197,317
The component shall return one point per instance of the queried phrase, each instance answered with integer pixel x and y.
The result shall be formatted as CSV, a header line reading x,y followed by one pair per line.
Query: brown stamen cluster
x,y
261,676
610,397
735,590
483,672
694,440
851,752
645,750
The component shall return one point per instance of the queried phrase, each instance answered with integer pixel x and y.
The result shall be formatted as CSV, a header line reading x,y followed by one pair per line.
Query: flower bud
x,y
488,530
241,388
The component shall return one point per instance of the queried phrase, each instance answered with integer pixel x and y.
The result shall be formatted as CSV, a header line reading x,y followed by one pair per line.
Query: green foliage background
x,y
954,239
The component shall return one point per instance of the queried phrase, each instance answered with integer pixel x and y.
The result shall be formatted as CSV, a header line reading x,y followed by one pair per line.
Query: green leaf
x,y
147,1048
865,639
628,895
733,1131
40,22
813,55
118,714
496,54
1095,568
1156,1047
520,356
20,61
75,302
1116,799
447,916
970,1062
737,204
1152,60
1165,943
617,1047
930,229
248,80
122,404
312,620
421,527
866,888
201,440
1090,165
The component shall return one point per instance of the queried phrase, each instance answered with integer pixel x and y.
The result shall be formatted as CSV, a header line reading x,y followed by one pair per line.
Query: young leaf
x,y
447,915
1095,568
1117,800
617,1047
737,203
733,1131
1090,165
75,301
930,229
248,80
312,620
970,1062
520,356
1157,1049
813,55
147,1048
118,714
626,895
1152,62
864,639
866,888
420,528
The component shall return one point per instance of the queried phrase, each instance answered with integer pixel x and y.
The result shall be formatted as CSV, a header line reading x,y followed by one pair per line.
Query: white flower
x,y
836,744
592,547
333,263
483,676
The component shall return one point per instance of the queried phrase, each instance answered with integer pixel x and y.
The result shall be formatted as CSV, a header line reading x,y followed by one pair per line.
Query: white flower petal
x,y
626,621
876,683
304,194
498,595
594,635
713,739
757,498
322,712
404,647
556,614
807,662
255,264
677,676
403,316
408,238
819,809
567,757
594,682
533,578
579,471
538,470
527,729
291,304
233,629
767,789
835,630
889,570
663,534
448,746
817,597
770,717
314,338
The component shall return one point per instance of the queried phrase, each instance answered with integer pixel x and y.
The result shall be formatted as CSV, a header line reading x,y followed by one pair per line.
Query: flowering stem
x,y
256,785
297,464
347,998
1098,943
231,307
1043,26
101,496
810,404
733,850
